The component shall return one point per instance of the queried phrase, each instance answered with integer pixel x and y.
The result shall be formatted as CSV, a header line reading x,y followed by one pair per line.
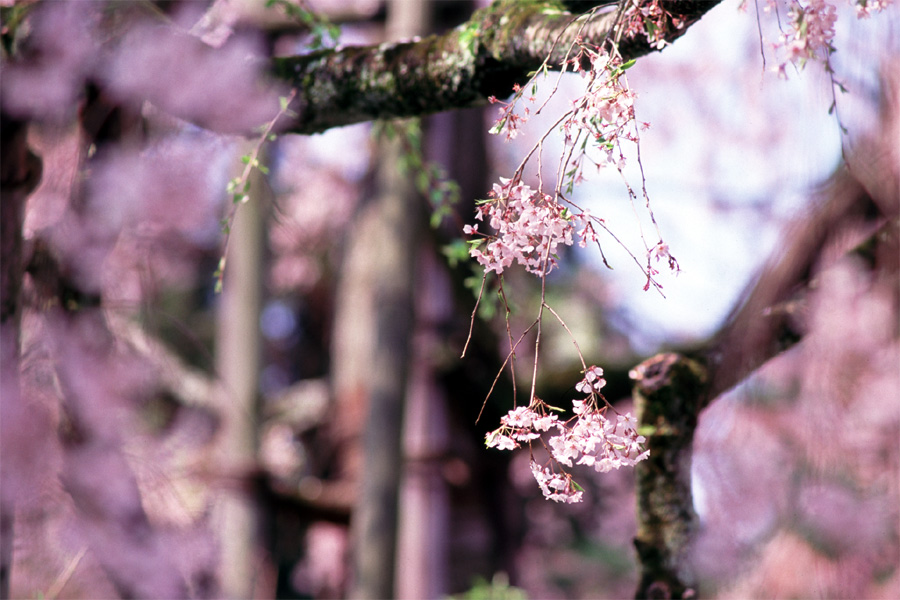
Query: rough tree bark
x,y
667,395
499,46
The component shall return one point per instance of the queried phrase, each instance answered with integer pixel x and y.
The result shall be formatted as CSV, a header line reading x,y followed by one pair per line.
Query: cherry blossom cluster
x,y
865,8
559,487
811,32
520,425
509,120
529,228
811,28
599,442
593,381
589,438
606,110
650,20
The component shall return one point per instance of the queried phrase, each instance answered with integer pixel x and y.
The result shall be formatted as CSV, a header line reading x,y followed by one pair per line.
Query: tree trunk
x,y
238,364
425,516
667,398
394,216
375,516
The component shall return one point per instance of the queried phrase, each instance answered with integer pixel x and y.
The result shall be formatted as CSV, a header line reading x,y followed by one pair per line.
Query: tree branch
x,y
499,46
666,398
670,391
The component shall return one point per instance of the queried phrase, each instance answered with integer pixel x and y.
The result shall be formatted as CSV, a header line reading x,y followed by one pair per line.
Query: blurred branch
x,y
771,318
20,173
500,45
239,363
672,389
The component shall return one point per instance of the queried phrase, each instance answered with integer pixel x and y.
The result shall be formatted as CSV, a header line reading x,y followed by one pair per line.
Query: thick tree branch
x,y
772,316
670,391
666,397
499,46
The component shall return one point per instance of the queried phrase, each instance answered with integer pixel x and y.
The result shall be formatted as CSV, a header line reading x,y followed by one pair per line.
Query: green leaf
x,y
334,32
628,64
490,437
647,430
219,275
422,181
487,310
456,252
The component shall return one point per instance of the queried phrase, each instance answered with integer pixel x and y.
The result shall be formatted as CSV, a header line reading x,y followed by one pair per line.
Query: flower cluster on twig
x,y
589,438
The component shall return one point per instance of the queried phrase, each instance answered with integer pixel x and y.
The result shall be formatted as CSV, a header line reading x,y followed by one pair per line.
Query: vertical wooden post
x,y
238,354
393,259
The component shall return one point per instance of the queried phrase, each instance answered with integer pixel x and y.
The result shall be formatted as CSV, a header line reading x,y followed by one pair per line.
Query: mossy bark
x,y
667,401
499,46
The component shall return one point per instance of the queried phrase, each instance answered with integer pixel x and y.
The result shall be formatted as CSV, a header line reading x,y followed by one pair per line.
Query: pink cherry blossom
x,y
521,424
864,8
590,439
529,225
599,442
593,381
810,33
558,487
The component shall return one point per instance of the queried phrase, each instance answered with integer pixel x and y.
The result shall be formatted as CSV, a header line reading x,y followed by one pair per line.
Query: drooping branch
x,y
499,46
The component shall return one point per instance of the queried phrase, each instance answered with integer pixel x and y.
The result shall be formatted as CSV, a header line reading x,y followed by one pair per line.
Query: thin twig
x,y
502,367
252,161
472,320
